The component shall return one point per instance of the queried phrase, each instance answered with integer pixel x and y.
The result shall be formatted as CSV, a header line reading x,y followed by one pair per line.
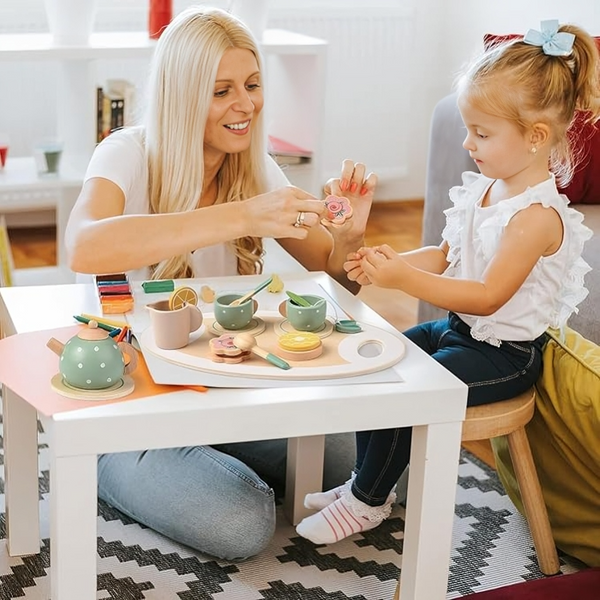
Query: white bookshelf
x,y
295,90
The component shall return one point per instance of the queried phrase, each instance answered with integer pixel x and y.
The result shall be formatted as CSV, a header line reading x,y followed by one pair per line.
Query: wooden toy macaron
x,y
224,350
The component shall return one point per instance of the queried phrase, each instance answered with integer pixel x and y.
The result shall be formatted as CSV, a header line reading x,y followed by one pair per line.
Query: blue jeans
x,y
219,500
492,374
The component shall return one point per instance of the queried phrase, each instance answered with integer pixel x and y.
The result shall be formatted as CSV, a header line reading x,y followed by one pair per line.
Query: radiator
x,y
368,74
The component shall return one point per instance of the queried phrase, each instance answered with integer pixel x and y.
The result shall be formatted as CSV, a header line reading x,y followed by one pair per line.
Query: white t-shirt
x,y
555,286
120,158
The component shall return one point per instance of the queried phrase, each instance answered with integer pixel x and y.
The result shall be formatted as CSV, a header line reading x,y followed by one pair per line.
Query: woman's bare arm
x,y
100,238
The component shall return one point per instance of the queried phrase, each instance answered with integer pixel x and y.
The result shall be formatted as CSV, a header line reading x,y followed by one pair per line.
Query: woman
x,y
158,204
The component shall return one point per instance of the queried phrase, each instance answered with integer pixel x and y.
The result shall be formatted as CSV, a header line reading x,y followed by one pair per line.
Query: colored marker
x,y
101,325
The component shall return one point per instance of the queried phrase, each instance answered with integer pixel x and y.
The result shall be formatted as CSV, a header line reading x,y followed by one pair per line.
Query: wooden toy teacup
x,y
233,317
172,328
305,318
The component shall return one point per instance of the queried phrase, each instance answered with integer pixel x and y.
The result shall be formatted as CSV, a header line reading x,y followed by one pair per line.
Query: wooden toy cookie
x,y
338,210
300,345
224,350
207,294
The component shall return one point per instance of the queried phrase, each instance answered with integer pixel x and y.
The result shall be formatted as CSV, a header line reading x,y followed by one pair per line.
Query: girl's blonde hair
x,y
517,81
180,92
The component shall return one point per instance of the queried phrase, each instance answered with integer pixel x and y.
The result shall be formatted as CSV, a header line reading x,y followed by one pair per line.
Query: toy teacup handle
x,y
132,353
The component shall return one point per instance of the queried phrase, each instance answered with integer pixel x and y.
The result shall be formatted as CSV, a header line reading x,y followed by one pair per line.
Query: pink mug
x,y
172,328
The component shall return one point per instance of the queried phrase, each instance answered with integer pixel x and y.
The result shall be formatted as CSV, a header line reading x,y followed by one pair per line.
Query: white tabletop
x,y
46,307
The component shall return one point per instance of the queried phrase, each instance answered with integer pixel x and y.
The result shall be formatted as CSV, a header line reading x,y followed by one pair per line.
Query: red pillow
x,y
584,188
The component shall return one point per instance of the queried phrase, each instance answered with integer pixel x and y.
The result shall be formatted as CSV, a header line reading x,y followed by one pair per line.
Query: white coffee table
x,y
428,398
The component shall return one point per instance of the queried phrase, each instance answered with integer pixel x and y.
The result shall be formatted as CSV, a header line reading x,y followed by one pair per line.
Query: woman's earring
x,y
533,150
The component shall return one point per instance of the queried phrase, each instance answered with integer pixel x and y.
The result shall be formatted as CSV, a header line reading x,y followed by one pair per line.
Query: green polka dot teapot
x,y
92,360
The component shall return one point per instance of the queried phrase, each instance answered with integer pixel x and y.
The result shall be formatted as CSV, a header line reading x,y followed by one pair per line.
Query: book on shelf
x,y
115,106
6,257
286,153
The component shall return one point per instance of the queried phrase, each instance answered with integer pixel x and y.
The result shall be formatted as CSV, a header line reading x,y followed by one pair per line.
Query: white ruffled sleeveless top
x,y
555,286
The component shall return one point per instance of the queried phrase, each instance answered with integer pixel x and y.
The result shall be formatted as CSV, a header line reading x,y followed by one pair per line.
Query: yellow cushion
x,y
565,441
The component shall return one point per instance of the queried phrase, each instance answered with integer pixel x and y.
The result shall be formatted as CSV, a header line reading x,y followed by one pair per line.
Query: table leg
x,y
304,474
21,475
430,511
73,510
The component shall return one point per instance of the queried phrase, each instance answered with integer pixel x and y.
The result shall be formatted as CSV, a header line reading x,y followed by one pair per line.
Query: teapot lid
x,y
92,332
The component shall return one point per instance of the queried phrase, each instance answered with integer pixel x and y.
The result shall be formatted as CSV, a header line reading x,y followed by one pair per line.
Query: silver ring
x,y
299,220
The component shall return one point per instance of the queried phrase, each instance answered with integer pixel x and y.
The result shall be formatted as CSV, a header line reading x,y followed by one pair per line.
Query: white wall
x,y
393,140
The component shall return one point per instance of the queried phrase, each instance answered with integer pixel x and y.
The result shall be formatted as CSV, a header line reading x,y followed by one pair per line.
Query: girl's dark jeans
x,y
492,374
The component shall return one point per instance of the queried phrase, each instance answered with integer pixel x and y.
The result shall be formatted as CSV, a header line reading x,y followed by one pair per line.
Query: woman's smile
x,y
239,128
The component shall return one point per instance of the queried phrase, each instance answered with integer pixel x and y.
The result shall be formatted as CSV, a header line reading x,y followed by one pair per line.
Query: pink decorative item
x,y
338,209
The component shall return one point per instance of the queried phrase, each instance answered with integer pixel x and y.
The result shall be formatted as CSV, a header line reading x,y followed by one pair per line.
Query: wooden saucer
x,y
123,387
286,327
255,327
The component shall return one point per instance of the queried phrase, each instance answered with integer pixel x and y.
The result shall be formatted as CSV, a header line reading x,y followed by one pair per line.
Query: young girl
x,y
509,265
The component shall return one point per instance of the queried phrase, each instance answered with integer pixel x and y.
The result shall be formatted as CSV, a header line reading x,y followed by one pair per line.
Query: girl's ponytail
x,y
584,63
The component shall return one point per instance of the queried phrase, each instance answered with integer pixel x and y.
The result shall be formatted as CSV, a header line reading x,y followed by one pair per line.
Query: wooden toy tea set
x,y
297,342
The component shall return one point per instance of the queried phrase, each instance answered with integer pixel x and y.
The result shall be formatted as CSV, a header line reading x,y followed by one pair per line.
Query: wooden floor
x,y
395,223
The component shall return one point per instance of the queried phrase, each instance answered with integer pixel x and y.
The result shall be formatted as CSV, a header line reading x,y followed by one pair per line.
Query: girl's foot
x,y
344,517
319,500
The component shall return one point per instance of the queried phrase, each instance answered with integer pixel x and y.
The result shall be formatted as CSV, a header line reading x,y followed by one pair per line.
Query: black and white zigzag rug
x,y
491,548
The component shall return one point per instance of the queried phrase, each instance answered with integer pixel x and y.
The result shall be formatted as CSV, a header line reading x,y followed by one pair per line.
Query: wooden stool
x,y
509,418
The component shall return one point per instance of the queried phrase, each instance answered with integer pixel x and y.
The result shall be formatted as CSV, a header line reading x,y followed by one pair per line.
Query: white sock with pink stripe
x,y
319,500
344,517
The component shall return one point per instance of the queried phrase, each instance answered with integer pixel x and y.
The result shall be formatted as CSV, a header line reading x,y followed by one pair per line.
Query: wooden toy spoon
x,y
249,295
246,341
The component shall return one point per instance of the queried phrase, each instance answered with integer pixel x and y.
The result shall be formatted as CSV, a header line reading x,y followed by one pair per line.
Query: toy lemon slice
x,y
181,296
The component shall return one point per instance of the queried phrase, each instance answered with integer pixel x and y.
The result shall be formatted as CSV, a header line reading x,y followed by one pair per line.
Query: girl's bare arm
x,y
532,233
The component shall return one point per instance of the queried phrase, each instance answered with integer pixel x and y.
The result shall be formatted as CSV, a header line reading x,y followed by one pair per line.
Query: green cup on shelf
x,y
47,155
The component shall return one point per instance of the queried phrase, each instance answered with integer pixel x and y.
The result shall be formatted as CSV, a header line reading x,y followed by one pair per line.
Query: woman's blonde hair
x,y
517,81
180,92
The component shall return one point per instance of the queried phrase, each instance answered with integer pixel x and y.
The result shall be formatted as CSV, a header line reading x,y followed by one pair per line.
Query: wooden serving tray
x,y
344,355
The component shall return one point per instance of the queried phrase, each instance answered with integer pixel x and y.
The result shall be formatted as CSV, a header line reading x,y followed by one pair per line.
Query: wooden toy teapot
x,y
92,360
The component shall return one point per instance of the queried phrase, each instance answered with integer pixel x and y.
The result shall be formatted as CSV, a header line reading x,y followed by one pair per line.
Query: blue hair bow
x,y
552,41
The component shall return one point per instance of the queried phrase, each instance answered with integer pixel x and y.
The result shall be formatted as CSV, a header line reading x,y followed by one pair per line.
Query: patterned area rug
x,y
491,548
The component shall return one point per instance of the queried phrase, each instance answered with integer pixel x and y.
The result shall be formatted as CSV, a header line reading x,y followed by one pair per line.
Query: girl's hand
x,y
359,187
383,266
275,214
353,267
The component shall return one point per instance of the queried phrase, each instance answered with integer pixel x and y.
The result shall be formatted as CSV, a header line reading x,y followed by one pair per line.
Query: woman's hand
x,y
359,187
287,212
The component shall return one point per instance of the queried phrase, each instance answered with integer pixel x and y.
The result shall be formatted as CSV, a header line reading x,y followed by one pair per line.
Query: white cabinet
x,y
295,84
